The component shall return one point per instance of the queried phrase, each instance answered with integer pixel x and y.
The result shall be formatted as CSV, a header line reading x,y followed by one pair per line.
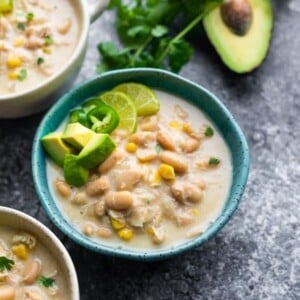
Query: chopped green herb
x,y
213,161
40,60
209,132
158,148
46,281
5,264
30,16
22,75
48,40
21,26
153,33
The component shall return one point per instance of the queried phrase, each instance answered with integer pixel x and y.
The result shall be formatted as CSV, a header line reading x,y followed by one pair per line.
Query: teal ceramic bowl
x,y
172,84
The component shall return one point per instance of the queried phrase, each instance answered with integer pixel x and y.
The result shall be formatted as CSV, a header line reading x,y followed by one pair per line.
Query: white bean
x,y
165,140
32,271
7,292
175,160
97,187
119,200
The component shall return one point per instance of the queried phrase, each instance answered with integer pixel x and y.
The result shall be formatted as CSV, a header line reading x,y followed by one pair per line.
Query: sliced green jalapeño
x,y
78,115
104,119
91,103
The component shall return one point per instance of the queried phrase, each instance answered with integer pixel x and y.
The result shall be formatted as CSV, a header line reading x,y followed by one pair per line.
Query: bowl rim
x,y
43,230
83,14
129,253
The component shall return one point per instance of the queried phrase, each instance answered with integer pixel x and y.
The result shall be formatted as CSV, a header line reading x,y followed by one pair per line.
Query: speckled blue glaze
x,y
173,84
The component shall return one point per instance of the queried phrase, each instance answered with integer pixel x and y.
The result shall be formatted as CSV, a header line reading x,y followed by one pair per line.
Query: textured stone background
x,y
257,255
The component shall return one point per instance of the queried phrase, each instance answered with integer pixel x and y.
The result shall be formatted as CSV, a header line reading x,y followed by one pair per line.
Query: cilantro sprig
x,y
46,281
6,264
146,29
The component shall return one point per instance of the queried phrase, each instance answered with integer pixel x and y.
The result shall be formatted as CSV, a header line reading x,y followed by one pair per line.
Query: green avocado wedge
x,y
74,174
99,147
56,148
77,135
242,53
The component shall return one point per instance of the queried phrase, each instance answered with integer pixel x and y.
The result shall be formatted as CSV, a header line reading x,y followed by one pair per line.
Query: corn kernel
x,y
125,234
13,62
19,42
131,147
150,231
195,212
12,75
21,251
166,171
175,124
156,179
116,224
47,50
187,128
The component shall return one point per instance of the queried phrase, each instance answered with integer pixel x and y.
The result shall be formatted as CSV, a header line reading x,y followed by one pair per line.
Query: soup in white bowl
x,y
36,37
28,271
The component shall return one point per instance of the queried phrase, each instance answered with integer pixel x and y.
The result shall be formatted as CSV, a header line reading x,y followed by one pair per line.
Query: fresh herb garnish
x,y
30,16
146,28
21,26
213,161
5,264
46,281
158,148
209,132
48,40
22,75
40,60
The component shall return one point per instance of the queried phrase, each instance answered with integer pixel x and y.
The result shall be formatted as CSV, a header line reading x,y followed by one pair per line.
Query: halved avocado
x,y
243,48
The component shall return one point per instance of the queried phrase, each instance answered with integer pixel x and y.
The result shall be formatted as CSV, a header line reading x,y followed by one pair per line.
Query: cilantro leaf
x,y
46,281
179,54
22,75
209,132
213,161
159,31
145,28
6,264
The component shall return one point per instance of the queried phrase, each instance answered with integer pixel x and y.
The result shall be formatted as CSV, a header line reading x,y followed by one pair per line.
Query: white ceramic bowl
x,y
18,220
42,95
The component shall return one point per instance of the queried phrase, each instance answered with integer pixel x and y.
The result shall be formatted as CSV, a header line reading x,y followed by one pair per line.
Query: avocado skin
x,y
56,148
99,147
74,174
242,54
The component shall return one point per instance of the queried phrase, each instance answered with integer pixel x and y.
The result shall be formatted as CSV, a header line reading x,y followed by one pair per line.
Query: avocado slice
x,y
75,174
243,46
56,148
6,6
99,147
77,135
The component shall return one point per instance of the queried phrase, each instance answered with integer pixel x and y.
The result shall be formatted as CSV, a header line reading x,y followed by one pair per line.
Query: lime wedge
x,y
6,6
145,100
125,108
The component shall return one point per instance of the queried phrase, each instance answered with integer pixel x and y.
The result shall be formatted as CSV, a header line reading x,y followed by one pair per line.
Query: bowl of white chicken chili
x,y
42,46
139,163
33,262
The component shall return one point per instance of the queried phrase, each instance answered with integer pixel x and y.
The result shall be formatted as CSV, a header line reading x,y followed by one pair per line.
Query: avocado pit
x,y
237,15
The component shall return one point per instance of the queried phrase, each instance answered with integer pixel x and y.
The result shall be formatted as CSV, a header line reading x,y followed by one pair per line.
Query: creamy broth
x,y
32,263
180,220
36,40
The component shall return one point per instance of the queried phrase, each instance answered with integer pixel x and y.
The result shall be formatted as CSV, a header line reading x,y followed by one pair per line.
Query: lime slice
x,y
125,108
6,6
145,100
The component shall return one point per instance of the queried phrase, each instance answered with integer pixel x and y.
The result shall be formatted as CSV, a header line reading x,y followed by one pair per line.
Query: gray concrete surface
x,y
257,255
